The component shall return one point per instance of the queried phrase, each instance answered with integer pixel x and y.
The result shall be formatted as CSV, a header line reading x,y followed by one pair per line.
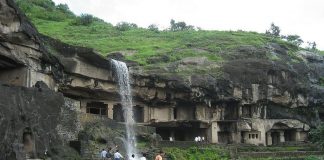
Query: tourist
x,y
132,157
199,139
196,139
117,155
143,157
103,154
159,156
171,139
109,154
203,139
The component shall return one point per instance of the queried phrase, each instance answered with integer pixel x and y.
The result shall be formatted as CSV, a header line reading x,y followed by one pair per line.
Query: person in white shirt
x,y
132,157
117,155
103,154
196,139
143,157
199,139
203,139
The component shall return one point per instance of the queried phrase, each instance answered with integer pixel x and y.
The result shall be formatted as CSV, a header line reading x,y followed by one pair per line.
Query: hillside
x,y
145,46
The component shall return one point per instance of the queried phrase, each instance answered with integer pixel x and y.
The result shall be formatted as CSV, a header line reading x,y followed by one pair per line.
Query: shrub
x,y
180,26
317,135
153,28
294,39
125,26
274,31
84,19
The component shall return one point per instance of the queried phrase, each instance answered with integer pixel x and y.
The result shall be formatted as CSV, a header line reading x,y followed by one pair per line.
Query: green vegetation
x,y
321,81
195,153
140,44
317,135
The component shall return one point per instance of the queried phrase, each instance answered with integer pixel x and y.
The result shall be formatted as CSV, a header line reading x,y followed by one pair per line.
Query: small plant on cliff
x,y
294,39
274,31
321,81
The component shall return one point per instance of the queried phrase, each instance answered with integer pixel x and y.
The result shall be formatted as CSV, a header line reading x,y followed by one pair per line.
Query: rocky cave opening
x,y
98,108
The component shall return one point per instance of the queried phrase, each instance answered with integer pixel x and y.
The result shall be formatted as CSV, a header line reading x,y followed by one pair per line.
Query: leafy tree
x,y
274,30
84,19
179,26
64,8
317,135
125,26
312,46
153,28
294,39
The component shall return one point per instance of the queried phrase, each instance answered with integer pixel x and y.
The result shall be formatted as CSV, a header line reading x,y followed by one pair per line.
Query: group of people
x,y
107,155
199,139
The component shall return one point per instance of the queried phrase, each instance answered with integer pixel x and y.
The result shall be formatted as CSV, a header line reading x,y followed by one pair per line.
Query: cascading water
x,y
122,75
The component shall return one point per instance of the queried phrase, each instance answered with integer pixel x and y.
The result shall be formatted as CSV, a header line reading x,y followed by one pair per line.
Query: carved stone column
x,y
282,136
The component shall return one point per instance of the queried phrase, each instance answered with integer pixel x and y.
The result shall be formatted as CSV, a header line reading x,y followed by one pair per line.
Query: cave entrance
x,y
118,113
13,75
225,137
28,142
76,145
275,138
98,108
181,134
138,114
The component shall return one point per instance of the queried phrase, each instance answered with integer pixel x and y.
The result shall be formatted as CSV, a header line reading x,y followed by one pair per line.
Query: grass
x,y
140,43
195,153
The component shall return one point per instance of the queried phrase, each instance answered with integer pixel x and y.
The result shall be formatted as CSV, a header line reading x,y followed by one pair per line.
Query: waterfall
x,y
122,76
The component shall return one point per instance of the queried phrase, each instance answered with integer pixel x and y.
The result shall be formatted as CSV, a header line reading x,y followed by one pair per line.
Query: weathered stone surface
x,y
37,112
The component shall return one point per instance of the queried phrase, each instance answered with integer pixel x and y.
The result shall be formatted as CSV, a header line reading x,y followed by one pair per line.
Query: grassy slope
x,y
105,38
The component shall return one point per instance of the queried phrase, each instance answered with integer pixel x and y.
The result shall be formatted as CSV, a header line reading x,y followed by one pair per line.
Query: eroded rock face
x,y
28,118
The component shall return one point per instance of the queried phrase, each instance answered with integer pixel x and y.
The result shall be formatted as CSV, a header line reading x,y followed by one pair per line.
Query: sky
x,y
302,17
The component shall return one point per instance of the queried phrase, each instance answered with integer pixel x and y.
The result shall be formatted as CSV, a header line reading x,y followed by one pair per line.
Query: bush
x,y
294,39
317,135
180,26
153,28
274,31
125,26
84,19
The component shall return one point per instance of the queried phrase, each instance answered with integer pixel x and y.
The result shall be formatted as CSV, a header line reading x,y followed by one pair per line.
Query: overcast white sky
x,y
301,17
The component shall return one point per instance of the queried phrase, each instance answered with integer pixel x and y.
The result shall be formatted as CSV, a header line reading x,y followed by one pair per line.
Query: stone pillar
x,y
172,134
83,106
213,133
297,138
146,114
282,136
269,138
240,111
236,137
110,110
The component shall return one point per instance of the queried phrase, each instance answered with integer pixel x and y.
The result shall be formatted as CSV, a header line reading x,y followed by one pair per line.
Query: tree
x,y
274,31
86,19
317,135
180,26
312,46
125,26
153,28
294,39
64,8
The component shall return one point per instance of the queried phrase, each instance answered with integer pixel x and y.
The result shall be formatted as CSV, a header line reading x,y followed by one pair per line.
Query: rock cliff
x,y
41,115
